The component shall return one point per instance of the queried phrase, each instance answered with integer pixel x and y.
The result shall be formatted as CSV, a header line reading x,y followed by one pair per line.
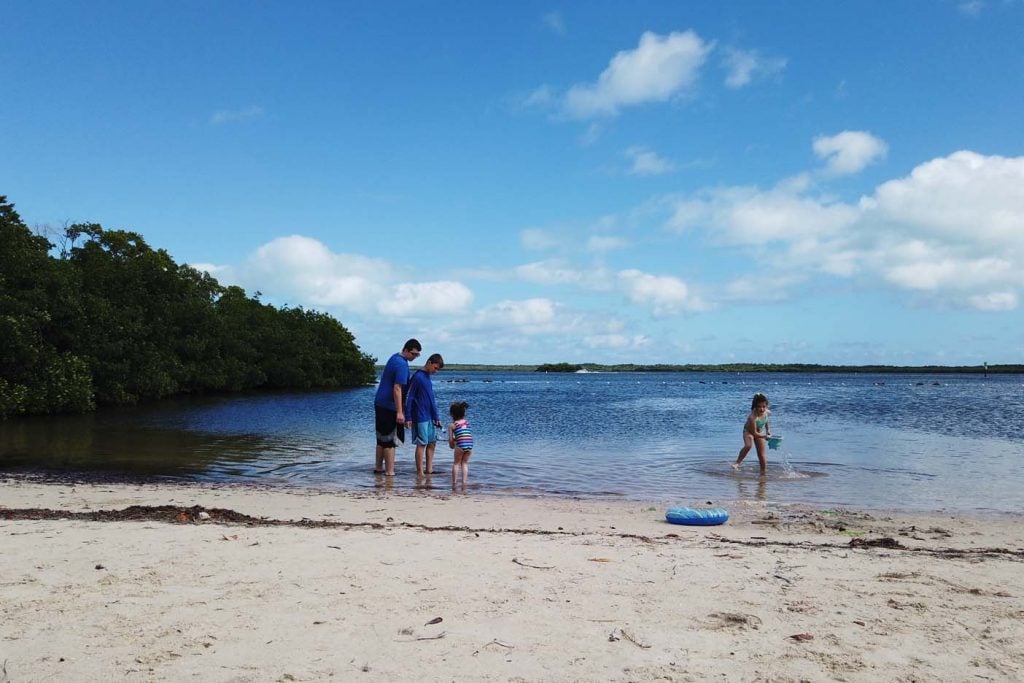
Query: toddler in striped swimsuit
x,y
460,437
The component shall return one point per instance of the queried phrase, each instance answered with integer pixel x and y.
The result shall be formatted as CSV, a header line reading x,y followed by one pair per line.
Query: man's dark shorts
x,y
389,432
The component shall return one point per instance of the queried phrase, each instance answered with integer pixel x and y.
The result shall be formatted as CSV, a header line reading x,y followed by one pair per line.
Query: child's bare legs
x,y
761,457
748,443
456,465
465,466
461,466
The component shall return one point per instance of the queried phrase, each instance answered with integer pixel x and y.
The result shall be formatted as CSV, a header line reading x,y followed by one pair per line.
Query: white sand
x,y
528,589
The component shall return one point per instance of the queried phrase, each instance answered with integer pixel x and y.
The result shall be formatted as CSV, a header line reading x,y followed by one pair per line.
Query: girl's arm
x,y
451,435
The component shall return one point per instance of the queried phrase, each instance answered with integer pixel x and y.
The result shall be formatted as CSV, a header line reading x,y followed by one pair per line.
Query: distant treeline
x,y
109,320
785,367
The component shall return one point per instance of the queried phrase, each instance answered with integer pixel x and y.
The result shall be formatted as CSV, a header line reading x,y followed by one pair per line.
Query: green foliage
x,y
115,321
558,367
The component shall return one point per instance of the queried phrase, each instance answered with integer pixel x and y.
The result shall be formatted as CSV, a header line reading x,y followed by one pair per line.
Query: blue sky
x,y
649,182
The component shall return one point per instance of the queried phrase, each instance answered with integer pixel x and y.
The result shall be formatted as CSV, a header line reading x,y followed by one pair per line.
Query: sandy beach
x,y
244,584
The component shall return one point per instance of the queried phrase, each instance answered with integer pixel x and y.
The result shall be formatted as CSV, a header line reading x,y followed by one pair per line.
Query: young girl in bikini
x,y
756,431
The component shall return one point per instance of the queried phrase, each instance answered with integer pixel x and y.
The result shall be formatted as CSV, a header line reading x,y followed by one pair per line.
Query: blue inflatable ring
x,y
695,517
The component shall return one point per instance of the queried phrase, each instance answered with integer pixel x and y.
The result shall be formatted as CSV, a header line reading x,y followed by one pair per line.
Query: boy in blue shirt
x,y
421,413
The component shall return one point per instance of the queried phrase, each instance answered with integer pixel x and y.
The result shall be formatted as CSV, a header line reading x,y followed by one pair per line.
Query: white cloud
x,y
617,341
212,269
591,135
557,272
949,273
542,96
744,65
527,316
995,301
762,288
660,68
223,116
298,268
647,162
550,272
664,294
305,268
536,239
971,7
605,243
952,231
554,22
850,151
964,197
745,215
415,299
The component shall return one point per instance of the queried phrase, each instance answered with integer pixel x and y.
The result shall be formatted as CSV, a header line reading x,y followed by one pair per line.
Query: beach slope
x,y
104,582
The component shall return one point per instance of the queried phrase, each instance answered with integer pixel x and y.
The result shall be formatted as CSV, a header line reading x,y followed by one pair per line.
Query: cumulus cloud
x,y
415,298
965,196
527,316
551,272
659,68
747,215
647,162
617,341
536,239
995,301
743,66
951,231
299,268
213,269
850,151
605,243
664,294
223,116
558,272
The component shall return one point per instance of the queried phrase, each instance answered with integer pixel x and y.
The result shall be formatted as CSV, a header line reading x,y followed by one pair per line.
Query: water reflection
x,y
671,437
752,490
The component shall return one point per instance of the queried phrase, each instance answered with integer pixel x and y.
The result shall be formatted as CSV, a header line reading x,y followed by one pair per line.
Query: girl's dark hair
x,y
458,409
758,398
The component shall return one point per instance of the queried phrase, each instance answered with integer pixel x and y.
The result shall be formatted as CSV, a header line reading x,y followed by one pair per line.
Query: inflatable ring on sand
x,y
695,517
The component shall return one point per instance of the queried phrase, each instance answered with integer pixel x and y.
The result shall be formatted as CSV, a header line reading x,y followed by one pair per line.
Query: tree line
x,y
786,367
108,320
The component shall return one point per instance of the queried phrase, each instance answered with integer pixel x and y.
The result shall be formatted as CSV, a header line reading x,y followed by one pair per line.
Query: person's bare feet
x,y
735,466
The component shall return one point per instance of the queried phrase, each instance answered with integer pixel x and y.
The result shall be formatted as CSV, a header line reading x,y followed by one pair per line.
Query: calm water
x,y
916,442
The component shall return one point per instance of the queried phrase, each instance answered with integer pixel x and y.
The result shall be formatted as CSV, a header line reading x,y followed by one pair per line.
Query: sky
x,y
528,182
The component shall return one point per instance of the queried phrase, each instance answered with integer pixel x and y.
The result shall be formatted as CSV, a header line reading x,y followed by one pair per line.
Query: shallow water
x,y
914,442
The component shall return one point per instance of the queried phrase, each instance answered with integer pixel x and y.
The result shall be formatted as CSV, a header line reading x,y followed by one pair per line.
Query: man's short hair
x,y
436,359
412,345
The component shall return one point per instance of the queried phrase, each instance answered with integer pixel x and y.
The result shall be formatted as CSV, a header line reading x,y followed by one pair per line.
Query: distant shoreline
x,y
747,367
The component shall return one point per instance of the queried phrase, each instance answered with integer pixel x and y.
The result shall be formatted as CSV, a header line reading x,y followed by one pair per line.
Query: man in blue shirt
x,y
389,416
421,413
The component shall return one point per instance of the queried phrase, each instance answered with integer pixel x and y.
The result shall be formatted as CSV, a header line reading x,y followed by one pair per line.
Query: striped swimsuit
x,y
463,435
